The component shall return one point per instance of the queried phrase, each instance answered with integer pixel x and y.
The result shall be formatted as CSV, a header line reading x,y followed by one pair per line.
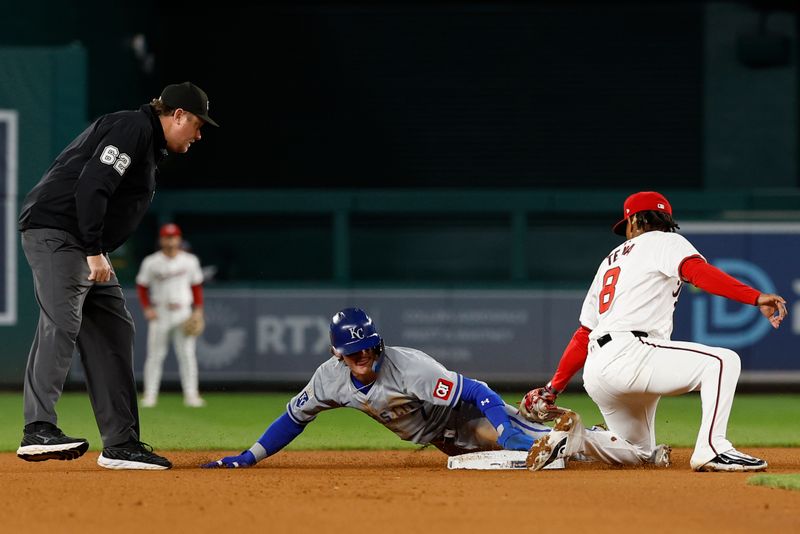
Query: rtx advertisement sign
x,y
764,256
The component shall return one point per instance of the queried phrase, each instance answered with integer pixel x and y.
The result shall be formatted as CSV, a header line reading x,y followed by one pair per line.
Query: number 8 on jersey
x,y
610,280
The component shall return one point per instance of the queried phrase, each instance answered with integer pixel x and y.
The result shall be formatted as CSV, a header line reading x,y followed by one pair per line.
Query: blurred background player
x,y
169,285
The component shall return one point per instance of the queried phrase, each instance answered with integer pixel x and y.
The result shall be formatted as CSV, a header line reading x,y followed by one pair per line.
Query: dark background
x,y
429,96
435,94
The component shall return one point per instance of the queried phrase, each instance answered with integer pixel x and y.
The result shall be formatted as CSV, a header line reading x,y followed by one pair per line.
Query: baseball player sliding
x,y
629,361
169,285
404,389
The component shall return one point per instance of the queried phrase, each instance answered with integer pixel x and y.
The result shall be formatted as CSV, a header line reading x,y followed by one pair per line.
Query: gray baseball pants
x,y
76,311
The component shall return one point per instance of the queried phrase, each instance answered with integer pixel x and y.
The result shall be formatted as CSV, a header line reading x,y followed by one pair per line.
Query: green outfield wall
x,y
45,90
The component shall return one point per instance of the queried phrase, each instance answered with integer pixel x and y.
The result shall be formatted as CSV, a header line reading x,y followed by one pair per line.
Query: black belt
x,y
602,340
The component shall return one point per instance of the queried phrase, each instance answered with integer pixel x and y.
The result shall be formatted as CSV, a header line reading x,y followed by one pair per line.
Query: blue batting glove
x,y
246,459
514,439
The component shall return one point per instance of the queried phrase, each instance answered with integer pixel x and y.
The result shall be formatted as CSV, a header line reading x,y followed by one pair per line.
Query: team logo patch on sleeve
x,y
443,389
301,400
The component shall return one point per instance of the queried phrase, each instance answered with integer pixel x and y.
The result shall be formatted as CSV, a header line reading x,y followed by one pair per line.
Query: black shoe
x,y
44,441
132,455
733,460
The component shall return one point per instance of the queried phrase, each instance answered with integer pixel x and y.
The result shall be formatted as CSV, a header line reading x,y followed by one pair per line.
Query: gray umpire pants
x,y
93,316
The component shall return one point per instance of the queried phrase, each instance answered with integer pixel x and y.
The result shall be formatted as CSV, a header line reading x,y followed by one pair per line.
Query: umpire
x,y
87,204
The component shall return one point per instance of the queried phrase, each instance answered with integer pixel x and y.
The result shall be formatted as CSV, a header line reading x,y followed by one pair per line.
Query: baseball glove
x,y
539,405
194,325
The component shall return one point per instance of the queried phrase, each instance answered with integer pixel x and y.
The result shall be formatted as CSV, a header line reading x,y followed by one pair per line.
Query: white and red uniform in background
x,y
626,323
173,287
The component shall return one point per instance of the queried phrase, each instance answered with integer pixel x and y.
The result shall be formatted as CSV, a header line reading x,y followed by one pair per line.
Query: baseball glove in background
x,y
194,325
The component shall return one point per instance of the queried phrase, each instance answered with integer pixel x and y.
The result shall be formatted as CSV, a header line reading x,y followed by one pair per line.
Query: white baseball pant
x,y
628,375
168,326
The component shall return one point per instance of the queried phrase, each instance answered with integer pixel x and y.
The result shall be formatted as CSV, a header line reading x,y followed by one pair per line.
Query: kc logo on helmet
x,y
356,333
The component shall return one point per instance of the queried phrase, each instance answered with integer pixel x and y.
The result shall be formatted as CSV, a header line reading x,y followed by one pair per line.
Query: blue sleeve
x,y
279,434
487,401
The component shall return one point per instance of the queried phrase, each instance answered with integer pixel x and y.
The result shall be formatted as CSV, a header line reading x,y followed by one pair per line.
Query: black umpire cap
x,y
187,96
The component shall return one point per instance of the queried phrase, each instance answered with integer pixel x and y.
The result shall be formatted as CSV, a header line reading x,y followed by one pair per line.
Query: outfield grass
x,y
233,421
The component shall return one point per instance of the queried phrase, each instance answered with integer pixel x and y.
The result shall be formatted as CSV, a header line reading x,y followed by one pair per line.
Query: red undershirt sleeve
x,y
197,295
144,296
572,359
708,278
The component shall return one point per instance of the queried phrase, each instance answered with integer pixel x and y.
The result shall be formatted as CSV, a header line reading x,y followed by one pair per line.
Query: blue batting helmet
x,y
352,330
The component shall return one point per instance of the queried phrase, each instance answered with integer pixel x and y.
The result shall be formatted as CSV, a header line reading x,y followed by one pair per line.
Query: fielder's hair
x,y
161,108
656,220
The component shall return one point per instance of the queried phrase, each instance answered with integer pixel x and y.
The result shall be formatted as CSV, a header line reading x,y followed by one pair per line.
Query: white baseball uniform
x,y
169,281
633,293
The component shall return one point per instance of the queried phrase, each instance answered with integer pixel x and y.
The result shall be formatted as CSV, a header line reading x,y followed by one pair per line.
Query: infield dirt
x,y
388,491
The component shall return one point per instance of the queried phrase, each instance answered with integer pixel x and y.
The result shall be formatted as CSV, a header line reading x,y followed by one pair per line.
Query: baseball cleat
x,y
194,402
661,456
134,455
45,441
546,450
553,446
734,461
566,421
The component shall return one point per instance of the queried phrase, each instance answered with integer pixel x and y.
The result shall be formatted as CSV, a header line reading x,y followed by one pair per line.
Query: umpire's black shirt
x,y
100,186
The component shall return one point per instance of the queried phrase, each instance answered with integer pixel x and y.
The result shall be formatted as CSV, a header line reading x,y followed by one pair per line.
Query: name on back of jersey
x,y
624,250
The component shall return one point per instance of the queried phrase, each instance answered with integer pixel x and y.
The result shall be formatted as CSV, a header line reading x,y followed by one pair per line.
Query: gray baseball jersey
x,y
414,396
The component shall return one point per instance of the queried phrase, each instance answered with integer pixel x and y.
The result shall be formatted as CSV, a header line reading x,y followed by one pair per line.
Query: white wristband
x,y
258,451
